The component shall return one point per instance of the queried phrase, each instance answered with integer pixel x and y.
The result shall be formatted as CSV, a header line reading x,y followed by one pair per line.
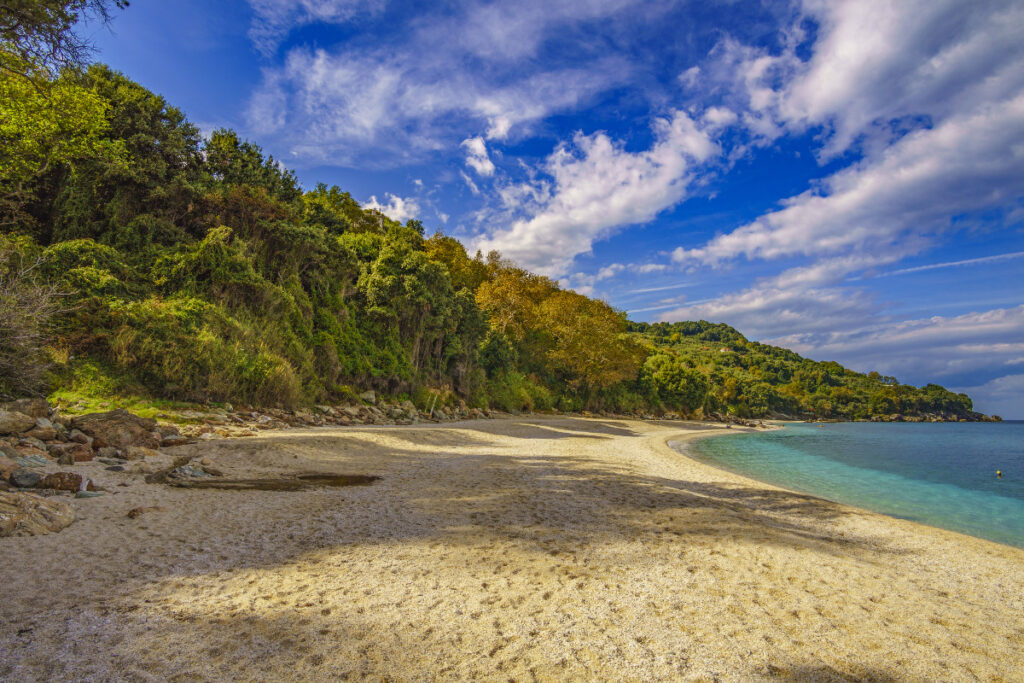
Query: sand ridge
x,y
541,548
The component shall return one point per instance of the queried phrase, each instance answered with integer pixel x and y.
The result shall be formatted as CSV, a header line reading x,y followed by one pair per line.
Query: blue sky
x,y
842,178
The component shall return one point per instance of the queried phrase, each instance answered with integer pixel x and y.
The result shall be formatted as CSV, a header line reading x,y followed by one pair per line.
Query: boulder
x,y
80,437
43,430
64,481
33,407
25,479
32,442
117,428
7,466
188,471
369,396
70,453
174,440
32,460
14,422
25,514
168,430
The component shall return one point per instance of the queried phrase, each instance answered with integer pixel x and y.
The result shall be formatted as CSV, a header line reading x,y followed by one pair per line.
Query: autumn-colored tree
x,y
591,349
511,299
464,271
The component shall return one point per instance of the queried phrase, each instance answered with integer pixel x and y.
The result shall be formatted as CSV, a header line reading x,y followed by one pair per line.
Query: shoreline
x,y
860,509
547,548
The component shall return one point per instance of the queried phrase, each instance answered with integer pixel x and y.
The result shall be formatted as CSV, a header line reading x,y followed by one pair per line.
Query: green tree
x,y
45,125
151,199
678,385
237,162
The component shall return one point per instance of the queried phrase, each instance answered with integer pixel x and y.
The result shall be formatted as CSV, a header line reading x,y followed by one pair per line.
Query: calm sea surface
x,y
942,474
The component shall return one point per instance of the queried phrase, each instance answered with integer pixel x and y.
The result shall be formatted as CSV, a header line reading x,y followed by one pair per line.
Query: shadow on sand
x,y
439,486
443,493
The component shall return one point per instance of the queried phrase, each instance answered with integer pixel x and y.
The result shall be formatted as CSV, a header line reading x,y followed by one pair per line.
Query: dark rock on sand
x,y
63,481
25,479
139,511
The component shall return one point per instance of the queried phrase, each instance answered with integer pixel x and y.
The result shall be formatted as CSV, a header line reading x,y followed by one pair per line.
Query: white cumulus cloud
x,y
597,187
397,208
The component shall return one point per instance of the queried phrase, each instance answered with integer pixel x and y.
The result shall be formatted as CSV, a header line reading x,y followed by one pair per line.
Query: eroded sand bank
x,y
526,549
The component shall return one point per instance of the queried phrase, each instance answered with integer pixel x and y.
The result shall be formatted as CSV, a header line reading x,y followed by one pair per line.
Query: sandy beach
x,y
541,548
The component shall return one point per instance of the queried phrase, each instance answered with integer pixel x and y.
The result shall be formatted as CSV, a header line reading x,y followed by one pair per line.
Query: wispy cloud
x,y
469,183
477,157
678,285
952,264
668,303
1003,395
275,19
965,349
454,74
964,164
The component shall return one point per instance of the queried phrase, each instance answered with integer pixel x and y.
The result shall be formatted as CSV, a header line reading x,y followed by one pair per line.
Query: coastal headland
x,y
540,548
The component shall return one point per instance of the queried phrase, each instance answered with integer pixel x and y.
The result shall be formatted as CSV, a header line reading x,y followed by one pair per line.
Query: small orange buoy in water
x,y
999,474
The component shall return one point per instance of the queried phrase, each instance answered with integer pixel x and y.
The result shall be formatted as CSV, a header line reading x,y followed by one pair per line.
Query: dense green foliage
x,y
198,269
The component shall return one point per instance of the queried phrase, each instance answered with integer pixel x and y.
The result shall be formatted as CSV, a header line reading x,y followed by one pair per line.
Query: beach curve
x,y
548,548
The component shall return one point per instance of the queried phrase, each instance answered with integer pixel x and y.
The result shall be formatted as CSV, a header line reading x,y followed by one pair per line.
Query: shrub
x,y
27,306
190,349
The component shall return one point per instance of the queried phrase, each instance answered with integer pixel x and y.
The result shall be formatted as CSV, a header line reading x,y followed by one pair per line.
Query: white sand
x,y
526,549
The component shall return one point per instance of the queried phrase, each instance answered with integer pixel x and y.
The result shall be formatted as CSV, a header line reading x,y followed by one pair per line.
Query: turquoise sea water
x,y
941,474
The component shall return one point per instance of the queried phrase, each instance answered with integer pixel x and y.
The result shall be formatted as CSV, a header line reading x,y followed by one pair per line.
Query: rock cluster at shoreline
x,y
227,422
230,422
35,437
33,431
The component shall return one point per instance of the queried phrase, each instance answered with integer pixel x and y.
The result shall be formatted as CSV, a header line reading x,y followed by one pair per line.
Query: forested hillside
x,y
692,362
139,259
